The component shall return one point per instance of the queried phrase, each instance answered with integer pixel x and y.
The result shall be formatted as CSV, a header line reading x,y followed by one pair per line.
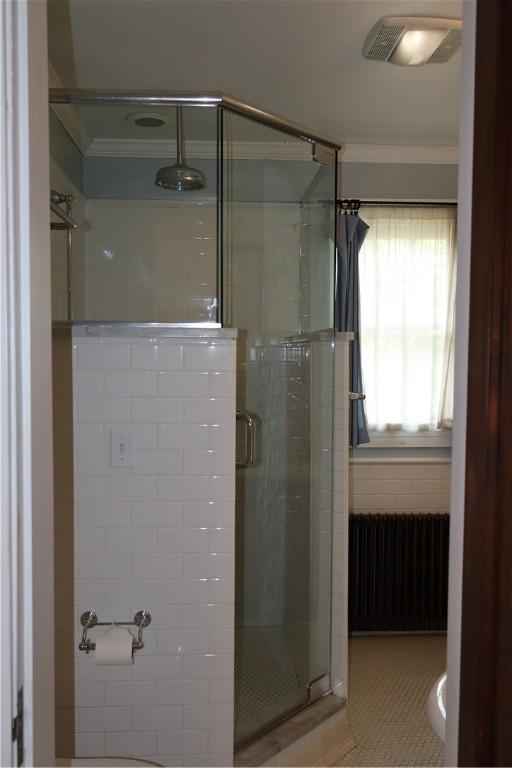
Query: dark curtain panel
x,y
351,234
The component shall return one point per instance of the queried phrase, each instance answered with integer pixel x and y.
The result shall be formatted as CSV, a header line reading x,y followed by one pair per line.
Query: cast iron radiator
x,y
398,572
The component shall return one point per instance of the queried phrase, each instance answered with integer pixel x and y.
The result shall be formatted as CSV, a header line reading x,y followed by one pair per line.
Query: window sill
x,y
441,439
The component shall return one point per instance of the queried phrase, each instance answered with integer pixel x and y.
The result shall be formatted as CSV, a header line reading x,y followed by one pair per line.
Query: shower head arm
x,y
180,155
179,177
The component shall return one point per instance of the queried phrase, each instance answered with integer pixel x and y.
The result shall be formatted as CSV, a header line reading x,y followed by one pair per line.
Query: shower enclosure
x,y
249,244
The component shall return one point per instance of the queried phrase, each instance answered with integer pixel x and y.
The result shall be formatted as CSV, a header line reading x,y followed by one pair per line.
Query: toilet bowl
x,y
437,706
119,762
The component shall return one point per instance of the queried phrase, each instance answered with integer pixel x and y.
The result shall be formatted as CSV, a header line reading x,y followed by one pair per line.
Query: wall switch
x,y
121,448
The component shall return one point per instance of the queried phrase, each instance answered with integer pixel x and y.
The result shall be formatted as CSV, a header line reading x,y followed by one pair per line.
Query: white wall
x,y
318,419
399,181
399,486
158,536
339,627
262,277
156,261
150,261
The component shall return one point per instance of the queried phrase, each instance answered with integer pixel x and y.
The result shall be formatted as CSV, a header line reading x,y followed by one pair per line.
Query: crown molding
x,y
69,115
395,153
243,150
207,150
274,150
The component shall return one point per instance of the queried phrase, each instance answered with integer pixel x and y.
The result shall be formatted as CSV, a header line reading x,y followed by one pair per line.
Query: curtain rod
x,y
355,204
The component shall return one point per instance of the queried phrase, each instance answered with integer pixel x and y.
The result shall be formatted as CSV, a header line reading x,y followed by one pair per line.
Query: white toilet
x,y
437,707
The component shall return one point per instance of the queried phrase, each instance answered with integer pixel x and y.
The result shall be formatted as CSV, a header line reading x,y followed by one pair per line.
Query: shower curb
x,y
318,735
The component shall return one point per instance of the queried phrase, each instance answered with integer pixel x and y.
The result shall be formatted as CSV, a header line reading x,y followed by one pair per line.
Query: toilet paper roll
x,y
114,647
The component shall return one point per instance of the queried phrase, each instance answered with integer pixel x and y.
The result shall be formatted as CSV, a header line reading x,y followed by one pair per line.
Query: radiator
x,y
398,572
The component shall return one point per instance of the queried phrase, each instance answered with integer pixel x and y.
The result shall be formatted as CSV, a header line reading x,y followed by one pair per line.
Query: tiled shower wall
x,y
400,486
151,261
262,282
287,496
329,491
156,261
158,536
263,378
339,626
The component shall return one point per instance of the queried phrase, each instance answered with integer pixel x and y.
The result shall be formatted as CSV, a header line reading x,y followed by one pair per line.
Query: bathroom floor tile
x,y
389,681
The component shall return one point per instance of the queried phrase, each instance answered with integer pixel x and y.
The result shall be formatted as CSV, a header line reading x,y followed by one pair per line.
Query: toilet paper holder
x,y
89,619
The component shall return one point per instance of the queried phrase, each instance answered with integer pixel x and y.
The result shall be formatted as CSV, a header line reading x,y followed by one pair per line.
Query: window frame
x,y
439,438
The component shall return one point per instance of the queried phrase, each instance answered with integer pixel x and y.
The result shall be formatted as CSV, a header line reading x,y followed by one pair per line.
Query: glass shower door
x,y
278,266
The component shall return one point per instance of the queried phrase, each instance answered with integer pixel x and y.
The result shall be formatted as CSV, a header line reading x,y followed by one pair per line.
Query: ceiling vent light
x,y
147,119
411,41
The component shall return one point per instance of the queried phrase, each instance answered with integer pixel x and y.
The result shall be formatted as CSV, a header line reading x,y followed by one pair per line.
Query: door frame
x,y
483,570
26,471
485,734
456,556
8,683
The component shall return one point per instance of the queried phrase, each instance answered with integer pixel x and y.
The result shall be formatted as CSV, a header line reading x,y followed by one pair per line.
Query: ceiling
x,y
298,58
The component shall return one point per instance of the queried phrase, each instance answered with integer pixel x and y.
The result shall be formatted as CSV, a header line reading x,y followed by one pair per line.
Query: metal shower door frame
x,y
207,100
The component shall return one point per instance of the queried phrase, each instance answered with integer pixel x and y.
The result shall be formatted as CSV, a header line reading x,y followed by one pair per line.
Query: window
x,y
407,284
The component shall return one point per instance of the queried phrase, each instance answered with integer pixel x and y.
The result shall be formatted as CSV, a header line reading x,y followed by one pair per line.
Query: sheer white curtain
x,y
407,279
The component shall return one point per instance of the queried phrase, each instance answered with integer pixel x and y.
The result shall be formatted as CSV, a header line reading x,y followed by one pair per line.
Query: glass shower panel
x,y
317,296
278,266
317,249
142,252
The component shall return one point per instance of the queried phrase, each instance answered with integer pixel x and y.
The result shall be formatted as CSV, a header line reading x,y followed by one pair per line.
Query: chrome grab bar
x,y
250,439
356,396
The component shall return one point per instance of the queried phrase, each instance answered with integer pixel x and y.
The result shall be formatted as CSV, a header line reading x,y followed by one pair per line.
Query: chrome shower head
x,y
180,177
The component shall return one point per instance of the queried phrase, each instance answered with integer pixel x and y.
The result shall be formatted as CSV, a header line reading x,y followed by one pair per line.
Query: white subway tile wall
x,y
158,535
399,487
167,249
174,242
265,237
339,627
321,372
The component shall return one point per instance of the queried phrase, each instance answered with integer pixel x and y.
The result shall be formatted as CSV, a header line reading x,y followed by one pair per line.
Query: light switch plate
x,y
121,448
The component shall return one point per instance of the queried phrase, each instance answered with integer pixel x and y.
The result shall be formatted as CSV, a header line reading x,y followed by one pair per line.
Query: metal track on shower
x,y
68,224
352,205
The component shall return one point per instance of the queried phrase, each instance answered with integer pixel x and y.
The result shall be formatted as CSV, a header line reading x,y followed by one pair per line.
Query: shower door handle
x,y
356,396
250,439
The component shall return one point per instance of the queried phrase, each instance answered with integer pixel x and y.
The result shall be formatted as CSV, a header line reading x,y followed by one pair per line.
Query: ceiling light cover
x,y
413,40
147,119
